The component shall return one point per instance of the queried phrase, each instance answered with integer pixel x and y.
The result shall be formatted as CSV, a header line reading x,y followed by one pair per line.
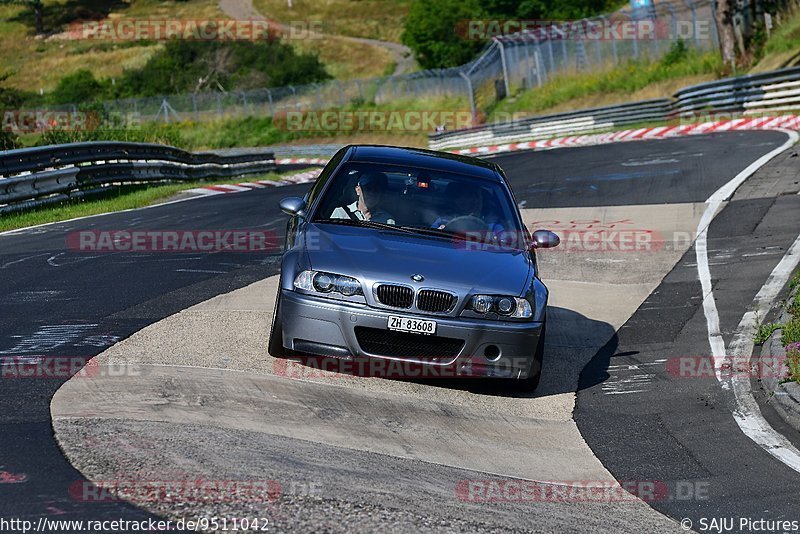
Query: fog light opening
x,y
491,353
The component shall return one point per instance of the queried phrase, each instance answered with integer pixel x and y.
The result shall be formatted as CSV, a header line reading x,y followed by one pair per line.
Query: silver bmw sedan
x,y
414,260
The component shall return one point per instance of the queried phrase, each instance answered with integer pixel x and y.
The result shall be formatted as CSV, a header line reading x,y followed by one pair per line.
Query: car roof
x,y
428,159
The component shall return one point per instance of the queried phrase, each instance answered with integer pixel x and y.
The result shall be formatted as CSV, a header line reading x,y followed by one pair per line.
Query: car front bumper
x,y
336,329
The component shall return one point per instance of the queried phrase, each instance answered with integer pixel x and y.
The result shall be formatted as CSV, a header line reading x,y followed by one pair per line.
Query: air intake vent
x,y
407,346
395,296
435,301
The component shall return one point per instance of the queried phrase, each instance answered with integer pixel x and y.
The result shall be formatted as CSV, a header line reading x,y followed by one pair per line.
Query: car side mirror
x,y
545,239
294,206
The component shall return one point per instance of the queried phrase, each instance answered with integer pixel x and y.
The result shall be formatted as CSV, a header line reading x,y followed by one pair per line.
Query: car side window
x,y
325,175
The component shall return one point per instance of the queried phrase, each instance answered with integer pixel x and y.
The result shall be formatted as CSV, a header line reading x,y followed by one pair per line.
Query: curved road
x,y
637,418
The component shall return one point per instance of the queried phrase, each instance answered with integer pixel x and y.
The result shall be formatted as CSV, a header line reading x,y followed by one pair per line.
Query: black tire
x,y
530,384
275,346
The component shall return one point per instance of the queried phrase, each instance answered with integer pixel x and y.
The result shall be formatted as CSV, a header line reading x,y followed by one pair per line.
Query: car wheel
x,y
275,346
532,382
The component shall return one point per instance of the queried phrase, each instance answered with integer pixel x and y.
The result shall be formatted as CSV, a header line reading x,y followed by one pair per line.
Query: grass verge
x,y
264,131
635,80
783,45
39,63
373,19
764,332
790,332
118,199
348,60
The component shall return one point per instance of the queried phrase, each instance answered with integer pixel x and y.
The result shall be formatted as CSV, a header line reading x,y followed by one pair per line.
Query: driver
x,y
467,202
370,189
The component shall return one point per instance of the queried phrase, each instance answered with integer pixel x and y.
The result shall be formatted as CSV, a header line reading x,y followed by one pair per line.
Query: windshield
x,y
426,201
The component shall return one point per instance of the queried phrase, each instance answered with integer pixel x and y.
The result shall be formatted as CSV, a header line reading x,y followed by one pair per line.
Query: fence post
x,y
712,4
537,59
269,99
342,98
245,104
166,109
673,22
194,108
614,44
597,53
528,68
469,93
581,58
503,63
692,6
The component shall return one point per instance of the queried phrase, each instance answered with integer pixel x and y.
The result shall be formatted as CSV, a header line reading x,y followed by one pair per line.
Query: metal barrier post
x,y
470,93
503,62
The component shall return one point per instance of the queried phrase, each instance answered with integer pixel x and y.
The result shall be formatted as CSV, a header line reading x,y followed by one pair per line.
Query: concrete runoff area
x,y
201,377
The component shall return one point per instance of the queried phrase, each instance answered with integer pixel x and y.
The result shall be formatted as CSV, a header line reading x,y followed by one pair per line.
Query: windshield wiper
x,y
367,224
429,231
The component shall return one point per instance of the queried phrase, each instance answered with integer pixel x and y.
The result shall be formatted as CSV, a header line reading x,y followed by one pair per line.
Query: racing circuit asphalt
x,y
58,302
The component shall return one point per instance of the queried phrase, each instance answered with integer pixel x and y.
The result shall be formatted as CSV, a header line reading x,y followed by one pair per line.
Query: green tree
x,y
36,6
724,21
435,31
80,86
194,66
10,100
559,10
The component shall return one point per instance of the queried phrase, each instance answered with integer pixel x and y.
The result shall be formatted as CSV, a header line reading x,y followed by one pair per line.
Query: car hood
x,y
373,255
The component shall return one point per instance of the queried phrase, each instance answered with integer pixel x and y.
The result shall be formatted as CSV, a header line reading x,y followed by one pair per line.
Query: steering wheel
x,y
465,223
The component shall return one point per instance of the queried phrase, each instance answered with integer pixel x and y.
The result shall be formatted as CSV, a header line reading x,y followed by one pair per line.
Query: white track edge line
x,y
750,421
748,414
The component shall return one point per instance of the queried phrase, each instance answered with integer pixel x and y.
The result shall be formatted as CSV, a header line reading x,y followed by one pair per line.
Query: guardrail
x,y
772,91
542,127
32,177
287,151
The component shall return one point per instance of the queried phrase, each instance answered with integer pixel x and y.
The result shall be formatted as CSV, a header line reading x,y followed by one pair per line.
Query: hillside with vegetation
x,y
37,57
41,65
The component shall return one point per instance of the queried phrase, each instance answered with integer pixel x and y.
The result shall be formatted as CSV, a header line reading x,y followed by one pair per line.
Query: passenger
x,y
370,189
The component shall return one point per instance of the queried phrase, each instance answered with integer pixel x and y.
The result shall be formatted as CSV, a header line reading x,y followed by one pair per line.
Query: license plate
x,y
410,324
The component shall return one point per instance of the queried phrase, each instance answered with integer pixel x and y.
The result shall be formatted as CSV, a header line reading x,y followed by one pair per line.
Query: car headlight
x,y
504,306
328,283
